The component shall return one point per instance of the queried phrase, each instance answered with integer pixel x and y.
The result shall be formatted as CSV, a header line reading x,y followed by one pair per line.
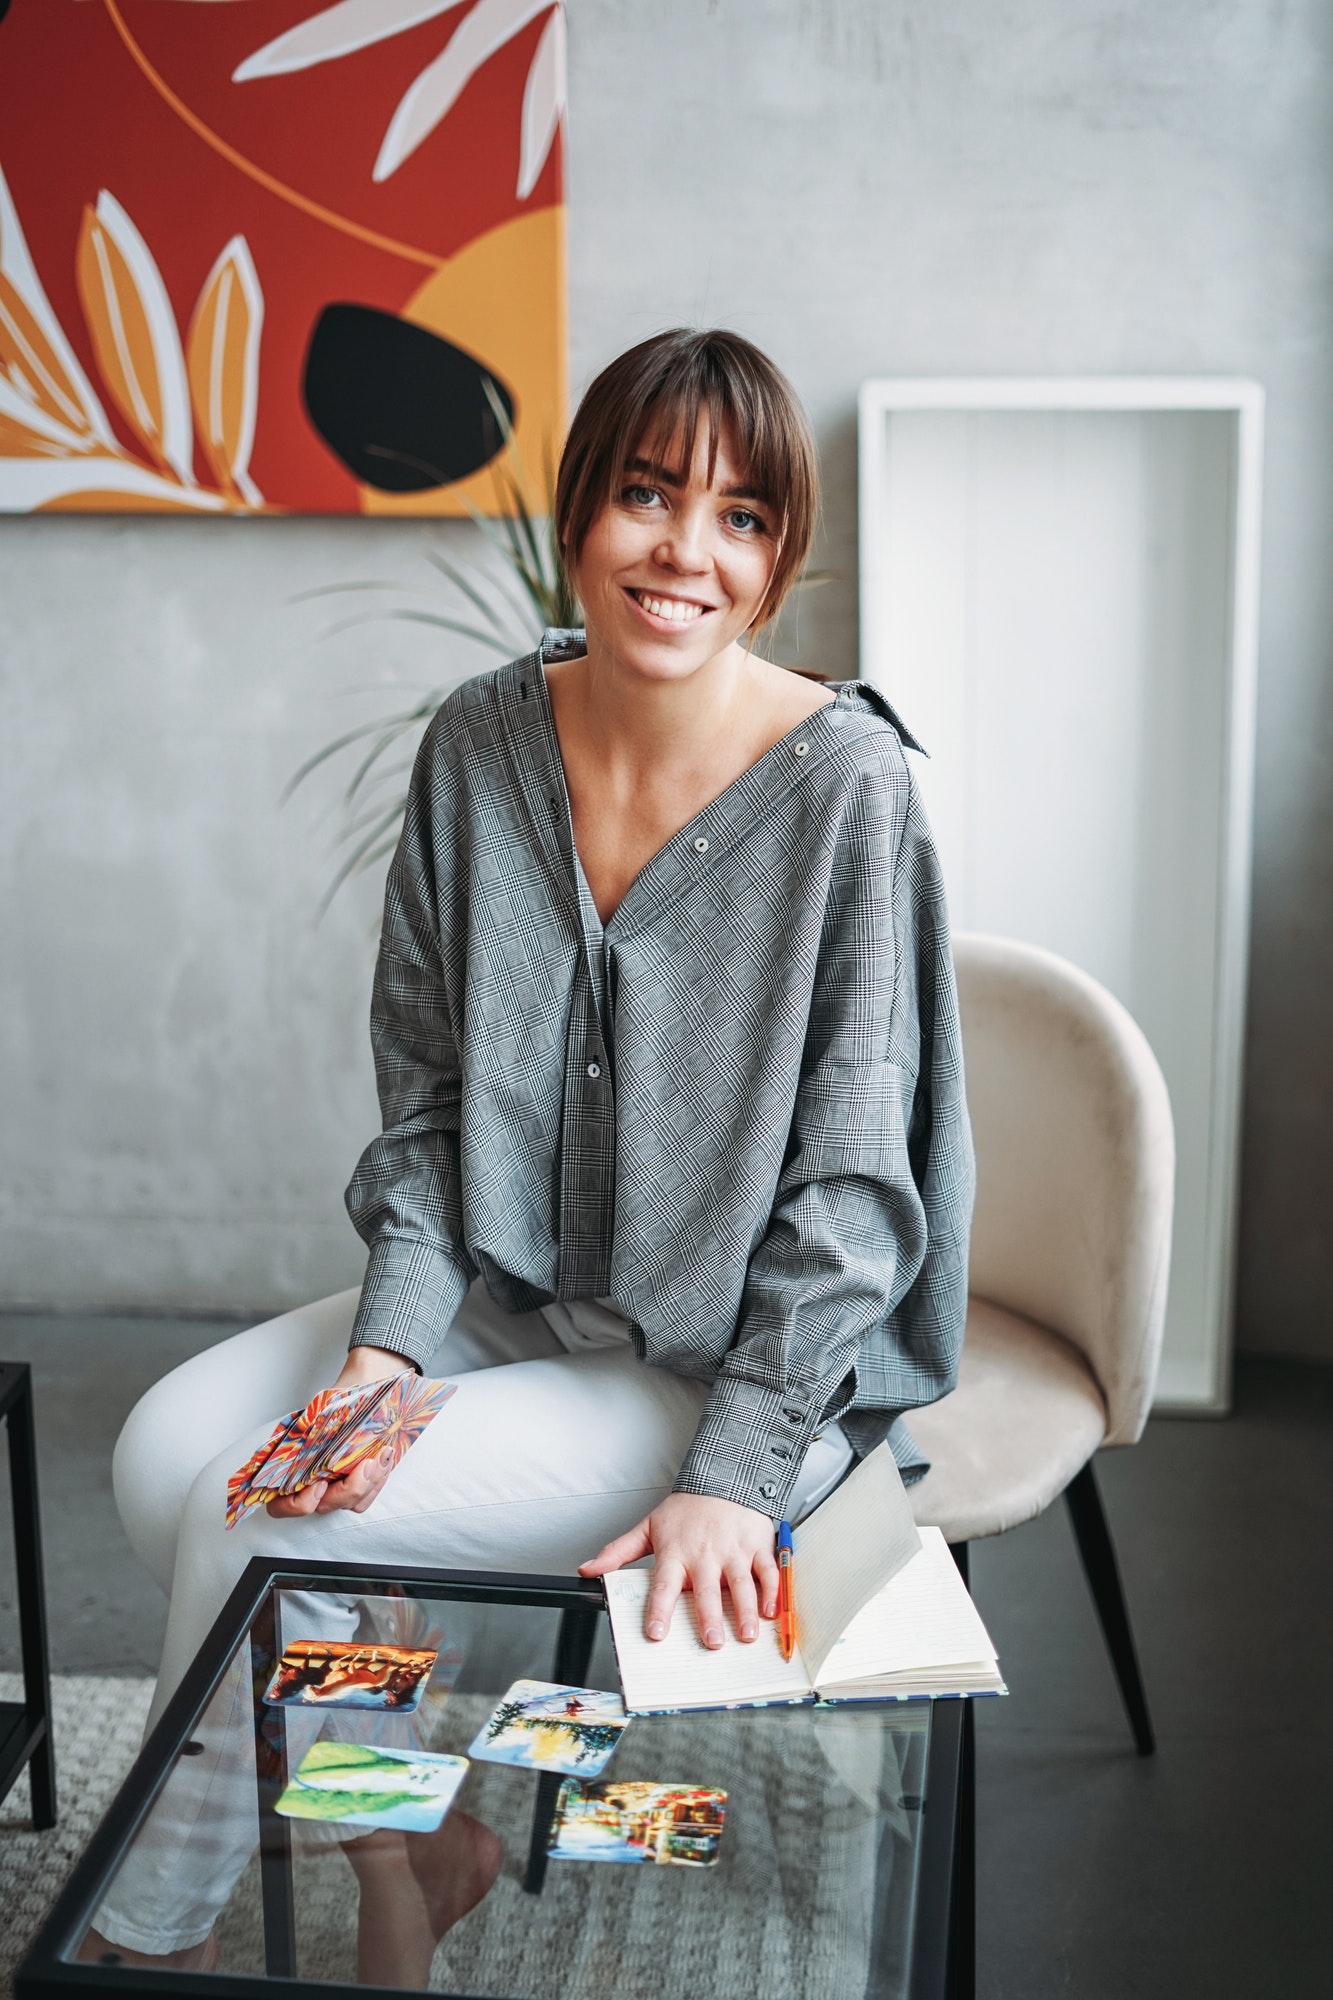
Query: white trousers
x,y
549,1449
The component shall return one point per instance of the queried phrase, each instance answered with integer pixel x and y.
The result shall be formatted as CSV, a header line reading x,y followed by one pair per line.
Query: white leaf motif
x,y
177,429
18,267
487,28
543,103
338,31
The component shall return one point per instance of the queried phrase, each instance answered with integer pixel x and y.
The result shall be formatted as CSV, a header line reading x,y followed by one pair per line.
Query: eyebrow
x,y
666,477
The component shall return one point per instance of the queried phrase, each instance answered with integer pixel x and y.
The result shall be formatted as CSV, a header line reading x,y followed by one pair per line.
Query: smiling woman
x,y
675,1149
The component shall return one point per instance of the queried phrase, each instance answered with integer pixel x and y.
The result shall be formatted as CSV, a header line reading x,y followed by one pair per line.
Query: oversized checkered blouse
x,y
735,1110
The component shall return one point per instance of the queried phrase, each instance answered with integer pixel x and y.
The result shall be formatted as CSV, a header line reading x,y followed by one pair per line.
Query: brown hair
x,y
653,397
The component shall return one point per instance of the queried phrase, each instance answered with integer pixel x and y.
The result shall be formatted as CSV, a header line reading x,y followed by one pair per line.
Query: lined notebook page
x,y
847,1551
923,1619
680,1671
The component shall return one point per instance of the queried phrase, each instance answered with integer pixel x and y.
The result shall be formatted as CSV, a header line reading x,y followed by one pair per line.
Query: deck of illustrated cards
x,y
365,1784
327,1673
677,1824
542,1726
334,1432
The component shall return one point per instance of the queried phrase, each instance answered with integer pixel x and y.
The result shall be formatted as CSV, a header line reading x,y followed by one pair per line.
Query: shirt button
x,y
594,1069
802,749
701,845
768,1489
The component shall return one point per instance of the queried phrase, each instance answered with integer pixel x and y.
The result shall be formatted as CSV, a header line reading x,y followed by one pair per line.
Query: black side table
x,y
25,1726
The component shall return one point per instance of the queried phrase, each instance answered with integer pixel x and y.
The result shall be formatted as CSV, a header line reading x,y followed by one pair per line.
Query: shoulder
x,y
868,715
481,713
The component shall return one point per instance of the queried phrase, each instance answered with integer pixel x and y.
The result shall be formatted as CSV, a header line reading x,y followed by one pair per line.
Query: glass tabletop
x,y
352,1790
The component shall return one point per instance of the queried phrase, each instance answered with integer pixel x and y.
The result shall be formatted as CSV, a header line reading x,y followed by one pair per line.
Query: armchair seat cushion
x,y
1026,1416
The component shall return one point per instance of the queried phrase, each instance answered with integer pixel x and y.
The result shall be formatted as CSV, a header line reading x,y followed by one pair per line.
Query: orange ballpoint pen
x,y
786,1598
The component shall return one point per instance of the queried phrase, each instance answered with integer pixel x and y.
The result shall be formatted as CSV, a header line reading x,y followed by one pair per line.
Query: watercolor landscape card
x,y
680,1825
543,1726
327,1673
364,1784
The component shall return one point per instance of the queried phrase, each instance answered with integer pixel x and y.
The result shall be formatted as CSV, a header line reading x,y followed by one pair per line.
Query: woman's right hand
x,y
358,1489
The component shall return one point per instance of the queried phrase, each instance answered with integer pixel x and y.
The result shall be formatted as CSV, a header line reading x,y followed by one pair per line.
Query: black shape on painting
x,y
403,409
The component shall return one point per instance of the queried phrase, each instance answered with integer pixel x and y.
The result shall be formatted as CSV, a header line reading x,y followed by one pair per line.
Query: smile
x,y
677,610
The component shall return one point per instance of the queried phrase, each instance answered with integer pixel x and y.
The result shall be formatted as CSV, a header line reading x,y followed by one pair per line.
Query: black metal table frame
x,y
941,1961
25,1726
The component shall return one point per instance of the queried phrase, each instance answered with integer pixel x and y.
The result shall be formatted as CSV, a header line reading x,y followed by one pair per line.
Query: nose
x,y
683,546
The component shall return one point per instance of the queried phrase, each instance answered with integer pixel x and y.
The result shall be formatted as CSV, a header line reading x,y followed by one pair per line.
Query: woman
x,y
675,1149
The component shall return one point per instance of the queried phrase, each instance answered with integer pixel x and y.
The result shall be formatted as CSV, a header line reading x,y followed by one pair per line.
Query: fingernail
x,y
748,1631
712,1637
656,1629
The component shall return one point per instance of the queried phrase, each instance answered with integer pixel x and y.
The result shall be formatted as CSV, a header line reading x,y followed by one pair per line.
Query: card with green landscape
x,y
364,1784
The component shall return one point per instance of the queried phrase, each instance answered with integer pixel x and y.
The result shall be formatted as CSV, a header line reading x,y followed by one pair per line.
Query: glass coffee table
x,y
834,1867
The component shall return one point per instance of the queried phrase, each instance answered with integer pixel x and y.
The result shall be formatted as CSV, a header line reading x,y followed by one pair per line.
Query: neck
x,y
641,723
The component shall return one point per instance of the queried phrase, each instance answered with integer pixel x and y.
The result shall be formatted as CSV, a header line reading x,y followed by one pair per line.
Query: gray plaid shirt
x,y
736,1109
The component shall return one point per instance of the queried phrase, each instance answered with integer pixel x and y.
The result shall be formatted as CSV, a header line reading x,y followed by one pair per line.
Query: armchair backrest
x,y
1075,1163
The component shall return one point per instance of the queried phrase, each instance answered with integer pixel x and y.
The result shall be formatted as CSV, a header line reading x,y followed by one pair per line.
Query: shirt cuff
x,y
409,1298
750,1443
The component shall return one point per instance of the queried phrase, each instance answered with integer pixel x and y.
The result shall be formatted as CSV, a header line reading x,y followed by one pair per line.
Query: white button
x,y
768,1489
802,749
594,1069
701,845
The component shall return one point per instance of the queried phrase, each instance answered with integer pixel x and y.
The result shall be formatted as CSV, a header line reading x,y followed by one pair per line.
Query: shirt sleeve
x,y
405,1198
873,1205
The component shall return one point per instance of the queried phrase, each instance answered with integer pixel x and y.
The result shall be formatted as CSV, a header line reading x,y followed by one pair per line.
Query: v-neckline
x,y
717,808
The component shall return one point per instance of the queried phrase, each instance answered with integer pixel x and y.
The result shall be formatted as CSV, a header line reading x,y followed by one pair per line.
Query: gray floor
x,y
1202,1872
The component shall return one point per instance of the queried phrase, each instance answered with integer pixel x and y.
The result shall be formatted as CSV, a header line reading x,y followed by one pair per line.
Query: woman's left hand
x,y
699,1544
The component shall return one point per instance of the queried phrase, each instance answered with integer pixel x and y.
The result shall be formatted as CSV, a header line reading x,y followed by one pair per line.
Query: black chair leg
x,y
1097,1550
962,1974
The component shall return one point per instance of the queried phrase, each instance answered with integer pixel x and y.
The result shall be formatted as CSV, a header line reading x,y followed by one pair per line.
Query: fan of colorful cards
x,y
337,1429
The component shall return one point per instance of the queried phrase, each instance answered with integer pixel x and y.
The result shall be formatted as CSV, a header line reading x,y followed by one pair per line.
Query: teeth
x,y
673,608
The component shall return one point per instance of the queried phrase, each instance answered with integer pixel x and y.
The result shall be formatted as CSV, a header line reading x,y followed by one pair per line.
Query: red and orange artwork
x,y
274,256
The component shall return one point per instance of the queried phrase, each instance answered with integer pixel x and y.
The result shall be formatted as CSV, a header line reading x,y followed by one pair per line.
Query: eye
x,y
640,496
745,521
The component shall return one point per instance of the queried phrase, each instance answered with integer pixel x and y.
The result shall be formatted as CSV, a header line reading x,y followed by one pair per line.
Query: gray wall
x,y
999,186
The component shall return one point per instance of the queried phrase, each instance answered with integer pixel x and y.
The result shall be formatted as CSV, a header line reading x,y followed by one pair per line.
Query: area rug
x,y
816,1879
98,1726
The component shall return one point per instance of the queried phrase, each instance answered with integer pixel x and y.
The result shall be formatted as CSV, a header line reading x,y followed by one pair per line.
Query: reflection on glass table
x,y
425,1780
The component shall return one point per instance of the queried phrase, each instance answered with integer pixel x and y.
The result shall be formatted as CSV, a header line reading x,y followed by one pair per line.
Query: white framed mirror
x,y
1059,591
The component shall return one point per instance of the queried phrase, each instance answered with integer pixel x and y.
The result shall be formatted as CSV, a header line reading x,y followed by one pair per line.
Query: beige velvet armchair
x,y
1070,1257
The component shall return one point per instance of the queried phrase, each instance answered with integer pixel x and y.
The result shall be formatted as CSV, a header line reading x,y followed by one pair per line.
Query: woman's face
x,y
674,570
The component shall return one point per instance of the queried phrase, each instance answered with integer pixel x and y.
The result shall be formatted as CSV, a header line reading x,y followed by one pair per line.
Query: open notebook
x,y
881,1615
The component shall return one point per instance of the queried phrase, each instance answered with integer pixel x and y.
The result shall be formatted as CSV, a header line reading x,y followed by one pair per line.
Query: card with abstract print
x,y
335,1431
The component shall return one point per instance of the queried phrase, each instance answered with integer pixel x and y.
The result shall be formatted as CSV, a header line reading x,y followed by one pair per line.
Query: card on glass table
x,y
365,1784
677,1824
337,1430
543,1726
330,1673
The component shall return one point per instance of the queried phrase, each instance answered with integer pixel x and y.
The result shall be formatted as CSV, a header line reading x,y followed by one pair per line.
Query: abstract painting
x,y
275,256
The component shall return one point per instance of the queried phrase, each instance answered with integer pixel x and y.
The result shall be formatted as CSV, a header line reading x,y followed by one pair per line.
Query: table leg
x,y
573,1650
32,1603
277,1887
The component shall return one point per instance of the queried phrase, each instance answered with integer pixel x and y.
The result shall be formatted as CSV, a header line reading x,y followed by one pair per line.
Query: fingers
x,y
708,1605
626,1548
766,1581
744,1602
356,1490
668,1582
288,1505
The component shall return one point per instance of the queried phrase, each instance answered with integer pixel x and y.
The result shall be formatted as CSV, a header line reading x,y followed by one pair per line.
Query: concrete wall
x,y
875,186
